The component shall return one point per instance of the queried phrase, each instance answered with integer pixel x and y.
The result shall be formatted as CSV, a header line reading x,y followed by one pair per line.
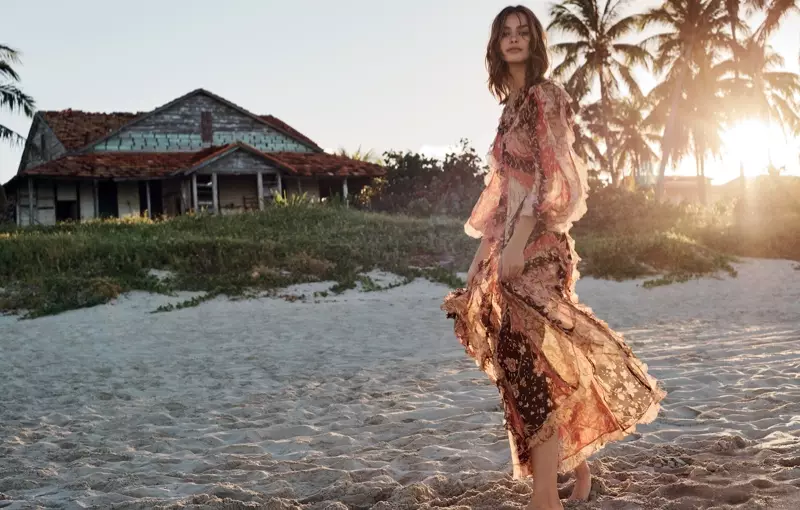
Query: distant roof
x,y
144,165
120,165
276,122
322,164
76,129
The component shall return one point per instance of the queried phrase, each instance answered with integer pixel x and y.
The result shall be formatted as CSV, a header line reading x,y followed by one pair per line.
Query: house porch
x,y
57,199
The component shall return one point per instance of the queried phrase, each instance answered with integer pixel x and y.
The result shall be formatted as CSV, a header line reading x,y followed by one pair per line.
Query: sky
x,y
389,75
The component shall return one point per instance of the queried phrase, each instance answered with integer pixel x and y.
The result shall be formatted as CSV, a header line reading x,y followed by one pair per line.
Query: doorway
x,y
156,198
107,204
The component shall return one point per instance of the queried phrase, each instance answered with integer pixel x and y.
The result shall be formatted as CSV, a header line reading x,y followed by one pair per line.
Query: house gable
x,y
179,126
41,146
236,161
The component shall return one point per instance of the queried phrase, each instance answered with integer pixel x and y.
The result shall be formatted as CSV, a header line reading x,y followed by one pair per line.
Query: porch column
x,y
16,205
260,178
214,191
299,186
194,193
149,203
344,190
30,200
95,199
280,184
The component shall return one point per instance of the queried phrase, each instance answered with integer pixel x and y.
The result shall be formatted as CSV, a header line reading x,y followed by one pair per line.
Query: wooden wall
x,y
237,192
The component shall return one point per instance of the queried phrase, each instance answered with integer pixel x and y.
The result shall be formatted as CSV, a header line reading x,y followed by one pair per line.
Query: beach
x,y
366,400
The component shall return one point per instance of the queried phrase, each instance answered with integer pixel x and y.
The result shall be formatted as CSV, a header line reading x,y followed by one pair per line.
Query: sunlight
x,y
752,143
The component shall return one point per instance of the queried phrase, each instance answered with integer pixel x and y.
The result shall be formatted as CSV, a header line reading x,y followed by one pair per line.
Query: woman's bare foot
x,y
545,482
583,483
535,505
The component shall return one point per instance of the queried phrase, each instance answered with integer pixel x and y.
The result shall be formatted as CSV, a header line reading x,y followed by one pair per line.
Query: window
x,y
270,186
205,193
206,129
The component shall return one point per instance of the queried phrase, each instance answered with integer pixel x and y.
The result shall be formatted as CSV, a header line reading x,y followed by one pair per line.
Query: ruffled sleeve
x,y
483,223
560,198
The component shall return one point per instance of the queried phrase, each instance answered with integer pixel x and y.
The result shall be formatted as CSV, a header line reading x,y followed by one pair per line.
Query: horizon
x,y
326,75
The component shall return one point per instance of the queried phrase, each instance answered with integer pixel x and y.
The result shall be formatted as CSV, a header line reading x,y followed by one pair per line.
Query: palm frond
x,y
7,72
566,21
13,99
567,48
776,13
7,135
580,82
630,81
566,65
9,54
634,54
623,27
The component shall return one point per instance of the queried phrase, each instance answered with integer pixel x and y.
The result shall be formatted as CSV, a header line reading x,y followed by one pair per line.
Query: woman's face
x,y
515,40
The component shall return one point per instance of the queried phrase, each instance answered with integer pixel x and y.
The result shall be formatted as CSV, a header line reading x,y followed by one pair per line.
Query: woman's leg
x,y
583,483
545,476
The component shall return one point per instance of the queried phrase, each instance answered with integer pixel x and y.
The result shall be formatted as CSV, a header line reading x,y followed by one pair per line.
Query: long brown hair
x,y
537,65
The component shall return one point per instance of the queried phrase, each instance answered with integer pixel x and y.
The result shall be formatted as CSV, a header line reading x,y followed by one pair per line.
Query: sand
x,y
366,400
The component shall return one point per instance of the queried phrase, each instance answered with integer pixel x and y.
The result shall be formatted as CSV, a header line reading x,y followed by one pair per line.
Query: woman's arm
x,y
481,253
513,259
522,231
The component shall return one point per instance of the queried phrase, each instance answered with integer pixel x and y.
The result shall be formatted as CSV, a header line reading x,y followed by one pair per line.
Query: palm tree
x,y
702,109
635,136
695,36
776,11
359,155
11,97
761,88
598,55
586,129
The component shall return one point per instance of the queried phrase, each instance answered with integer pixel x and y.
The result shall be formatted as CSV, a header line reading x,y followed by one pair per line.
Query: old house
x,y
197,152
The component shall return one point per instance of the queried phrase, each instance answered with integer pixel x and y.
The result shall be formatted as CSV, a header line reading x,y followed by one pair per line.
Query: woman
x,y
569,384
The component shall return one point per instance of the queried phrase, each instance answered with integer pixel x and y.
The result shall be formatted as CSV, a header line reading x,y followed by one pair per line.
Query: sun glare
x,y
753,144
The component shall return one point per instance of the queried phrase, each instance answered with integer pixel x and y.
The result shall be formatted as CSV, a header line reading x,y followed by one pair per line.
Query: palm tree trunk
x,y
703,182
666,142
606,131
700,160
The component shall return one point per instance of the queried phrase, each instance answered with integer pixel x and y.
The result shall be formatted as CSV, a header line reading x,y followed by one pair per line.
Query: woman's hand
x,y
512,263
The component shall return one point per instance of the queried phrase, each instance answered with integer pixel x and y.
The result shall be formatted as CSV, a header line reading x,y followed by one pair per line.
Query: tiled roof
x,y
120,165
281,125
76,129
323,164
141,165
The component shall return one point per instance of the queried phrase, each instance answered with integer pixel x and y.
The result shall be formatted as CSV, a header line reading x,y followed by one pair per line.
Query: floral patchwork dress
x,y
559,369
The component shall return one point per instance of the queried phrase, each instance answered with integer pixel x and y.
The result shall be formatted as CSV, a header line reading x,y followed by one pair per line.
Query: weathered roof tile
x,y
148,165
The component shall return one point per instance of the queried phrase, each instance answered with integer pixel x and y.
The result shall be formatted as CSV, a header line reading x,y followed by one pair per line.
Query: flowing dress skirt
x,y
558,368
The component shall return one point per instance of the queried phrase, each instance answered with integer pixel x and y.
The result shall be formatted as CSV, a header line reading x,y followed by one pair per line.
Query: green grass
x,y
47,270
676,257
